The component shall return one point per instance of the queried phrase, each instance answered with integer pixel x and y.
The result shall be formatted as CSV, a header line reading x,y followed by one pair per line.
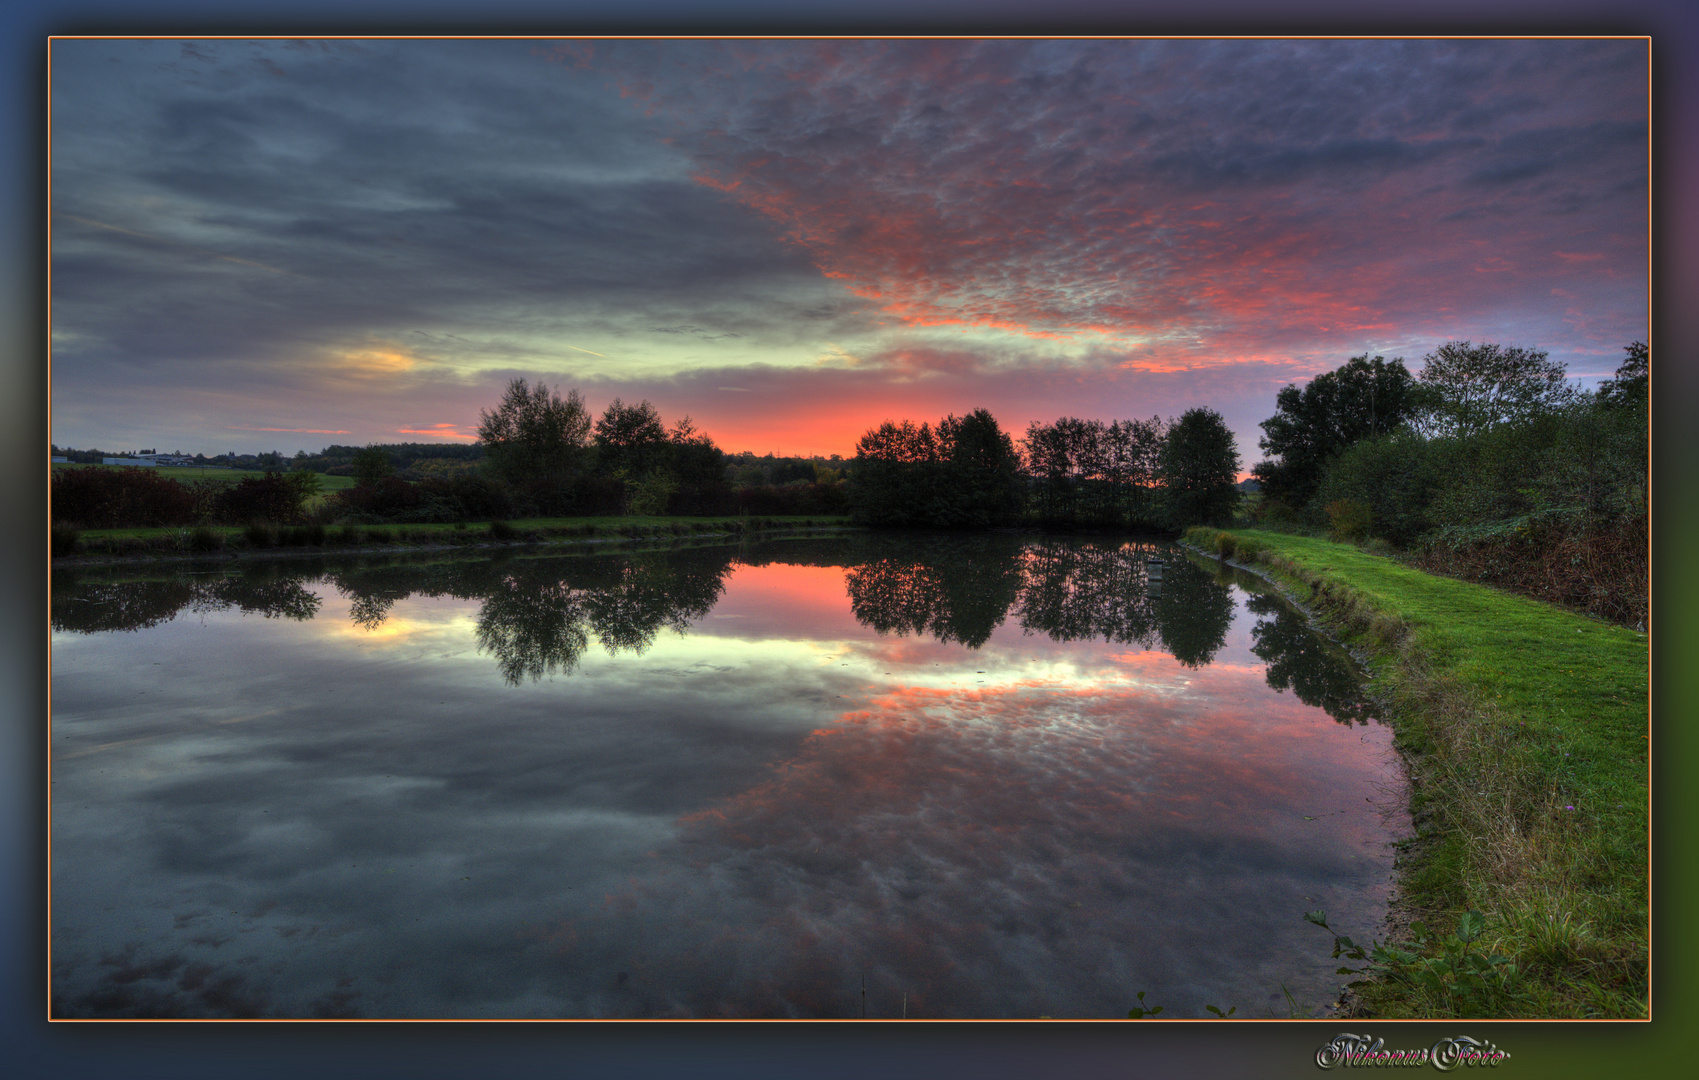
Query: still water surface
x,y
933,776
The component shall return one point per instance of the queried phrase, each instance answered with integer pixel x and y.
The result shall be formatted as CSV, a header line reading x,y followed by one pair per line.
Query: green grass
x,y
213,475
1526,731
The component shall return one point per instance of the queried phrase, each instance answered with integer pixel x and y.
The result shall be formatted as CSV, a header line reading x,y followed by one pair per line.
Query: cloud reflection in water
x,y
745,818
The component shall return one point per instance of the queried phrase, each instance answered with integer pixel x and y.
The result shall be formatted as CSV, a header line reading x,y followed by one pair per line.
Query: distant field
x,y
215,475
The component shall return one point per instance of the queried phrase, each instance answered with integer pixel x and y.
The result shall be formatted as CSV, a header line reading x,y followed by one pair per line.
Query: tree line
x,y
1488,464
966,472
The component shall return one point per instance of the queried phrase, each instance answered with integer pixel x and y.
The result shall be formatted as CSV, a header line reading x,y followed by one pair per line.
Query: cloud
x,y
1141,189
234,247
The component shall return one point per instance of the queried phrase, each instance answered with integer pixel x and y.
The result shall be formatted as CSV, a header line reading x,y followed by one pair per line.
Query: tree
x,y
890,480
1475,387
1315,424
629,438
371,464
1200,470
1089,470
700,470
982,470
963,474
1630,385
534,435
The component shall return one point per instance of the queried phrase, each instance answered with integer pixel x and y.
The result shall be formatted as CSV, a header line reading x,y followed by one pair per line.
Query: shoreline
x,y
1525,734
484,542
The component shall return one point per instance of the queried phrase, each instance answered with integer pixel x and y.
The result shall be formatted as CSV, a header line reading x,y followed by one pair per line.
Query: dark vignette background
x,y
36,1049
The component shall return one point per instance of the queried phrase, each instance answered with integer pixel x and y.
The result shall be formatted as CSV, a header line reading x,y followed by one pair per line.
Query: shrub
x,y
388,499
501,530
794,500
1348,519
274,497
649,494
260,535
1274,514
110,497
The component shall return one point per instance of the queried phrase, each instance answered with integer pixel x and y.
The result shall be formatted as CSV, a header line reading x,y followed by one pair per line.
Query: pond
x,y
921,776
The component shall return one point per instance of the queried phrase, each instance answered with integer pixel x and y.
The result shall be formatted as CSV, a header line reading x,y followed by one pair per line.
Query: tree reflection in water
x,y
1302,661
1068,590
96,607
953,589
538,615
534,622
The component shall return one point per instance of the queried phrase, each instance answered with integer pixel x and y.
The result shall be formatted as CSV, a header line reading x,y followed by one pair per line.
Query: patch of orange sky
x,y
441,431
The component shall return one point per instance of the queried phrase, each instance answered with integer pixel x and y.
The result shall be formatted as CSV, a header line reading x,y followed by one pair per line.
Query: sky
x,y
281,245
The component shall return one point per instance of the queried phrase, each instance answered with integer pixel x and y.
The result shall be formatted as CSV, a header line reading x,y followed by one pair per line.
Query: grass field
x,y
212,475
1526,731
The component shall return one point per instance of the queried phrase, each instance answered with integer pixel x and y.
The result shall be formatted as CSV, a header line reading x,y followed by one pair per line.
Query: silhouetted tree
x,y
630,439
534,437
1200,470
964,474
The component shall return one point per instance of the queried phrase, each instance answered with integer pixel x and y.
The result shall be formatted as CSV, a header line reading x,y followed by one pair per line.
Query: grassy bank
x,y
1525,728
174,542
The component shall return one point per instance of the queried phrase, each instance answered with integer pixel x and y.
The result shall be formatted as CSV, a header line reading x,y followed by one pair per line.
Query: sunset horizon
x,y
268,245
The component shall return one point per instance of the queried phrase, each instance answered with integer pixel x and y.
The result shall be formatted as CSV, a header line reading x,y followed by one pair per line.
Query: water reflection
x,y
102,607
1305,663
1002,778
538,615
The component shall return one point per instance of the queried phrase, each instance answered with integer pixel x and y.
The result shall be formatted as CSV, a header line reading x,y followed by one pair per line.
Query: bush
x,y
501,530
64,540
388,499
112,497
1397,477
794,500
1348,520
274,497
1276,515
260,535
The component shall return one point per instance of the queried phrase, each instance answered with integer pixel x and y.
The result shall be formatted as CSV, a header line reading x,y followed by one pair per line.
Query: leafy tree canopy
x,y
534,434
371,464
1316,423
1630,385
1200,470
631,437
1475,387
